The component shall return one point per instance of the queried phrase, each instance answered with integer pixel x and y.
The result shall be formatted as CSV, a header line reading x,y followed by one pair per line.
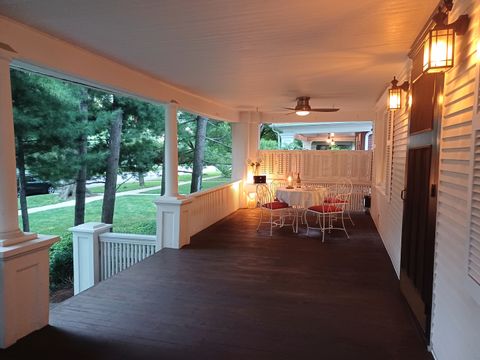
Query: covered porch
x,y
215,287
237,294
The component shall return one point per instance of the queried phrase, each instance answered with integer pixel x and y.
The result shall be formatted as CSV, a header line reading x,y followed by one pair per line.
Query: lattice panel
x,y
314,165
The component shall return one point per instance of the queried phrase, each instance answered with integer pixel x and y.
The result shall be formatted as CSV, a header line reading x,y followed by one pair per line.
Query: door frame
x,y
420,140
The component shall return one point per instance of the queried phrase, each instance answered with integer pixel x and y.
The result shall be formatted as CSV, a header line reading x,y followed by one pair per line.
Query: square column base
x,y
172,222
24,288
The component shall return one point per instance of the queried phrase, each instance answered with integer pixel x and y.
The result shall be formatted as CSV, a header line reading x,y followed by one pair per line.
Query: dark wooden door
x,y
419,217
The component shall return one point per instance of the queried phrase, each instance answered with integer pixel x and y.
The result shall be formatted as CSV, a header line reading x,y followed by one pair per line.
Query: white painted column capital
x,y
171,150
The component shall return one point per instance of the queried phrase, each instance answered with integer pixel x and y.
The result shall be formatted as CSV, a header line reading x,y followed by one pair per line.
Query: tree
x,y
115,133
142,137
82,149
44,112
218,140
199,153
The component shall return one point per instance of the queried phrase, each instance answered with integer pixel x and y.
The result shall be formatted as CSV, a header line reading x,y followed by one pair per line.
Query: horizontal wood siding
x,y
387,206
456,316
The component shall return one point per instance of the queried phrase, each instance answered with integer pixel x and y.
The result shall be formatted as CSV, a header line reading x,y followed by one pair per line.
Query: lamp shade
x,y
395,98
439,49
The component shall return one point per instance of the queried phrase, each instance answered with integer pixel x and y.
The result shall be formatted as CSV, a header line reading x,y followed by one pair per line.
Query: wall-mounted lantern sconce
x,y
395,94
439,47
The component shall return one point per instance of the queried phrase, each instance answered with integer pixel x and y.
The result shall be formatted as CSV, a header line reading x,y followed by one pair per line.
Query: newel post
x,y
86,253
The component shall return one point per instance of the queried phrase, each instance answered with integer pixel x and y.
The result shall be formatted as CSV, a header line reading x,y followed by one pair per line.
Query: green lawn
x,y
133,214
206,184
50,199
151,183
41,200
127,186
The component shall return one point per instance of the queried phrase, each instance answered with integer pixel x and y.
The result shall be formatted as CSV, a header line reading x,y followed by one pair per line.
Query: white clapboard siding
x,y
212,205
387,206
456,315
120,251
327,166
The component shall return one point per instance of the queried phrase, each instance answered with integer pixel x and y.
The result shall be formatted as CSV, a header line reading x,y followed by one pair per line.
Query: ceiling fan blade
x,y
289,109
325,109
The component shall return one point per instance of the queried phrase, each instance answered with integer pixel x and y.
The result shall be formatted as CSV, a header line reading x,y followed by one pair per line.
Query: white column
x,y
24,260
171,150
240,147
9,232
172,209
307,145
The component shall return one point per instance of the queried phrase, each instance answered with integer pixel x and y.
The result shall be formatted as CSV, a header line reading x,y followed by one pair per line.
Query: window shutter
x,y
474,246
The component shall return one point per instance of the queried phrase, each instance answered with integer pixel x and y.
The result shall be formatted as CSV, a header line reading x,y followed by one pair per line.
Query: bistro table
x,y
301,198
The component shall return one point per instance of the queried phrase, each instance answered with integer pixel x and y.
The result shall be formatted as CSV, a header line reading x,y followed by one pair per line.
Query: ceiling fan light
x,y
302,112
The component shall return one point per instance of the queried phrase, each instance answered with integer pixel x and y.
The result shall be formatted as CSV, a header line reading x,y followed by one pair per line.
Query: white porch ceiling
x,y
246,54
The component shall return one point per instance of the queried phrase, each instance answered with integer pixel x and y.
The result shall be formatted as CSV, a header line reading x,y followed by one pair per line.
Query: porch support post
x,y
307,144
172,209
10,233
240,147
24,260
171,150
245,145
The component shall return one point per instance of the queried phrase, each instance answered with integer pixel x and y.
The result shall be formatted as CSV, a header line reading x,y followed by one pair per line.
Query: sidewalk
x,y
100,197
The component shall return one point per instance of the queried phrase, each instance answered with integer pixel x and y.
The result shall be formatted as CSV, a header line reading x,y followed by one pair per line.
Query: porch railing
x,y
209,206
120,251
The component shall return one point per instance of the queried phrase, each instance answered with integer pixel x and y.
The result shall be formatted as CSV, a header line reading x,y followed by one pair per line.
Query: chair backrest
x,y
274,185
264,195
345,187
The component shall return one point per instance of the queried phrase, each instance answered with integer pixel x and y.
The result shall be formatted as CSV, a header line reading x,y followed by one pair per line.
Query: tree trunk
x,y
199,154
108,206
22,184
141,179
81,180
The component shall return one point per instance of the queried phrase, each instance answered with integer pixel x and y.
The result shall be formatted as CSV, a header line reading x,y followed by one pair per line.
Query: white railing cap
x,y
91,227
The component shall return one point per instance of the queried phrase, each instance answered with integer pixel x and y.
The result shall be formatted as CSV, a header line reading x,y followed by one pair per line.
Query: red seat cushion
x,y
332,200
276,205
325,208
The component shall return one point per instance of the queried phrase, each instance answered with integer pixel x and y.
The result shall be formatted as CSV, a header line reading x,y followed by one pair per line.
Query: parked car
x,y
36,186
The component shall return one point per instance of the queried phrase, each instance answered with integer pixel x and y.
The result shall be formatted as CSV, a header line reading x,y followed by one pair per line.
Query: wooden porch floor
x,y
236,294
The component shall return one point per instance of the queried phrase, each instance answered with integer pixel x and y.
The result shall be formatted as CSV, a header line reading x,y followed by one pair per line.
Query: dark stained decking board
x,y
238,294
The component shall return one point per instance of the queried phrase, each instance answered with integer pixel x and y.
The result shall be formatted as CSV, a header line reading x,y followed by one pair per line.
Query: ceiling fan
x,y
303,108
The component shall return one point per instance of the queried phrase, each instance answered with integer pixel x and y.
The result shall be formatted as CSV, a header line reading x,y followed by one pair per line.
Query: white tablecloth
x,y
303,198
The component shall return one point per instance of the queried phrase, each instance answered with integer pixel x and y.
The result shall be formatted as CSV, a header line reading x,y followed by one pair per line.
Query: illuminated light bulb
x,y
302,112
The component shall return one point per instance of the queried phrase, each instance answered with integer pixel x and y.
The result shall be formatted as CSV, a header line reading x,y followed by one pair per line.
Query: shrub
x,y
61,263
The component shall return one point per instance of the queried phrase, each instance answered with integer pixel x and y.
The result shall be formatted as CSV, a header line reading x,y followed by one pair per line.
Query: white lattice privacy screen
x,y
322,166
